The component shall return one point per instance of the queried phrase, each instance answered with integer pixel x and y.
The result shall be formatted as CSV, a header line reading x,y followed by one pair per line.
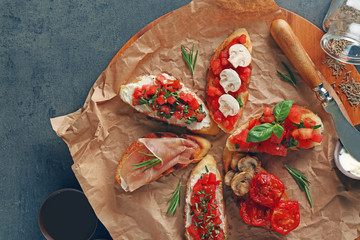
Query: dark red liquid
x,y
68,215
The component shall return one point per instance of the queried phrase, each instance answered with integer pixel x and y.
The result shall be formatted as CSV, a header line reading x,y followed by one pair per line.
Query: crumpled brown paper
x,y
98,134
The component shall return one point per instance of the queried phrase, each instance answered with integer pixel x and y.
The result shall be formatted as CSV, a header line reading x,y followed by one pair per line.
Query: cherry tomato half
x,y
266,189
253,213
285,216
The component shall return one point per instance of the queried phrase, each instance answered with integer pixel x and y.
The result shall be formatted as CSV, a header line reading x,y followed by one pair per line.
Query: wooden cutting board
x,y
309,35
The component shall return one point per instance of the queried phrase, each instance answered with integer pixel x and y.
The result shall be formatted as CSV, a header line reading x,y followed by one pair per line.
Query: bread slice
x,y
305,113
207,165
211,79
205,126
200,145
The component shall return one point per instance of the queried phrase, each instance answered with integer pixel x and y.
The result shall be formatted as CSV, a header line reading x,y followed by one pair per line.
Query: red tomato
x,y
160,78
272,148
192,230
216,83
216,66
171,100
194,104
285,216
165,109
268,112
295,114
230,121
240,139
224,54
160,100
214,91
218,116
308,122
178,114
253,122
302,133
304,144
275,139
266,189
215,103
316,137
253,213
242,39
244,73
268,119
199,116
137,93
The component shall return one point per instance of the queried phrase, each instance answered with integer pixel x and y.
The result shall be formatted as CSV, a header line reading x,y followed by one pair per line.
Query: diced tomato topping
x,y
160,100
194,104
253,122
199,116
224,54
308,122
165,109
230,121
242,39
268,119
272,148
190,113
218,116
304,144
240,139
295,114
214,91
224,61
178,115
171,100
189,97
212,178
275,139
161,78
268,112
216,83
302,133
216,66
244,73
316,137
138,93
192,230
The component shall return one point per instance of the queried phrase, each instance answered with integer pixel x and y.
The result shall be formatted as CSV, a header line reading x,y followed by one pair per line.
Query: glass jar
x,y
342,24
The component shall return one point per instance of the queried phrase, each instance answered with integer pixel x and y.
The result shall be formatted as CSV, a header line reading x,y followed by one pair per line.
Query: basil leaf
x,y
278,130
260,133
282,109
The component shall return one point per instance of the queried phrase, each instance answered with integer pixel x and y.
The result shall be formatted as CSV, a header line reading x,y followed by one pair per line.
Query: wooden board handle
x,y
291,46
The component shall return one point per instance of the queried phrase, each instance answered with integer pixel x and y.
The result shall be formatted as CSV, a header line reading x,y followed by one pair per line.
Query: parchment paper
x,y
98,134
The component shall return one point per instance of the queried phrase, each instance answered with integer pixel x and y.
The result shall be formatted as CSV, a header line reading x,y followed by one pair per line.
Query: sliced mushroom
x,y
248,164
240,183
228,177
235,159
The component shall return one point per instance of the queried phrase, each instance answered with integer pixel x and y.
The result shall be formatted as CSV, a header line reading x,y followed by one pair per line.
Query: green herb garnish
x,y
263,131
148,163
301,181
189,57
241,104
175,200
290,79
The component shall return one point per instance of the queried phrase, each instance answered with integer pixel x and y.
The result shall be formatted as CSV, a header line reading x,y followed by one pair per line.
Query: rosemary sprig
x,y
189,57
290,79
301,181
148,163
175,200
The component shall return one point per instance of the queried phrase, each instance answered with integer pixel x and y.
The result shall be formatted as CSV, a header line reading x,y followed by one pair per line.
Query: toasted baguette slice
x,y
284,142
176,113
206,166
185,149
228,124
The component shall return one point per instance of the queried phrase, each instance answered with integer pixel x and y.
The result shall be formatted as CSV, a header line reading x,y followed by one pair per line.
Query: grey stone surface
x,y
51,52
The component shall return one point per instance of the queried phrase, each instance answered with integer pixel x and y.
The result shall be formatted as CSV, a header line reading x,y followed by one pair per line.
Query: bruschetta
x,y
165,98
156,155
287,126
228,80
204,204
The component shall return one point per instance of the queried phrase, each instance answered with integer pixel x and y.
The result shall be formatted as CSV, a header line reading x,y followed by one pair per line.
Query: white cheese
x,y
229,106
349,163
230,80
127,92
239,56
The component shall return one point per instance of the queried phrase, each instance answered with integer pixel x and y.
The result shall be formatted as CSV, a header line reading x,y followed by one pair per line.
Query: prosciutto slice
x,y
171,151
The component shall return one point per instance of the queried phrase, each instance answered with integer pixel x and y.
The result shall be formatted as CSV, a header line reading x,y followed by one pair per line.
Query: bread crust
x,y
203,147
196,173
213,129
244,96
305,113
